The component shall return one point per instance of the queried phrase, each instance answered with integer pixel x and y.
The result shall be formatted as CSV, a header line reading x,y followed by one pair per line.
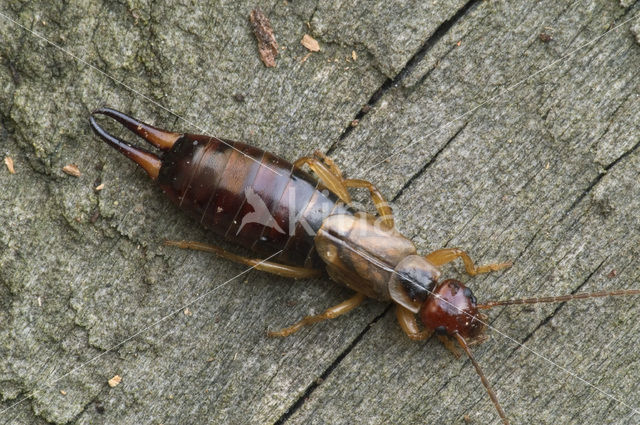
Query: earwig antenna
x,y
483,378
561,298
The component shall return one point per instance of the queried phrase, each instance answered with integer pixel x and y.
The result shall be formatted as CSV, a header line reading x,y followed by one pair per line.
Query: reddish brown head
x,y
452,309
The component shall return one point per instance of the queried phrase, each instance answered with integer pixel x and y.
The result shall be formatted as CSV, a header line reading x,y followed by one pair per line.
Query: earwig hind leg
x,y
326,176
265,266
330,313
409,324
382,206
331,176
446,255
330,163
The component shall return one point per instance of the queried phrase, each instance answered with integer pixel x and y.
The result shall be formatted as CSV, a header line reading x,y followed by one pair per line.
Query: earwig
x,y
306,225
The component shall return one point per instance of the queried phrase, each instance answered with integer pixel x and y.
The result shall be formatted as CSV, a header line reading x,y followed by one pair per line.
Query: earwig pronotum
x,y
274,208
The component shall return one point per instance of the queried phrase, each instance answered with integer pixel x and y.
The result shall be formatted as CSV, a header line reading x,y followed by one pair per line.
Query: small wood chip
x,y
72,170
310,43
63,392
187,312
99,187
304,59
115,381
267,45
9,163
354,55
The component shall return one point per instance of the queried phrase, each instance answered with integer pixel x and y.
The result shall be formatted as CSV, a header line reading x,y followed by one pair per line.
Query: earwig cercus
x,y
274,208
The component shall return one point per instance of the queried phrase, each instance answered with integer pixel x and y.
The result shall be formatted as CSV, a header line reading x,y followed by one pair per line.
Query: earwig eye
x,y
440,330
469,294
412,282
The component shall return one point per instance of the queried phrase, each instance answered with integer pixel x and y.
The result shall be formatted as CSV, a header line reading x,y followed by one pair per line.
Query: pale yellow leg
x,y
449,345
409,324
265,266
330,313
326,176
383,208
331,176
446,255
332,165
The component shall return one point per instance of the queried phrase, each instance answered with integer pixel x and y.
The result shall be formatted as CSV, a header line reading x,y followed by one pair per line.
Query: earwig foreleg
x,y
330,313
409,324
265,266
449,345
446,255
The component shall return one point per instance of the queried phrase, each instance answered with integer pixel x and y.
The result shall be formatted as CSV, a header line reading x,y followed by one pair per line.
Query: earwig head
x,y
452,309
412,281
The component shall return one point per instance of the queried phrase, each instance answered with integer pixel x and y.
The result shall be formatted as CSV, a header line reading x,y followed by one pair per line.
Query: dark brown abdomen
x,y
249,196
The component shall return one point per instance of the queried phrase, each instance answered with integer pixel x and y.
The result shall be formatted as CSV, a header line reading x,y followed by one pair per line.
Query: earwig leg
x,y
332,165
446,255
383,208
331,176
449,345
480,339
265,266
330,313
409,325
326,176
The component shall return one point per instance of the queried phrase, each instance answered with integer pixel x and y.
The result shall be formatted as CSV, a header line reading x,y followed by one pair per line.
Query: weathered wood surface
x,y
514,148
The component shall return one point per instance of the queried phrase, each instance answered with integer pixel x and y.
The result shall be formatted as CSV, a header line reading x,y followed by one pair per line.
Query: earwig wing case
x,y
412,281
399,294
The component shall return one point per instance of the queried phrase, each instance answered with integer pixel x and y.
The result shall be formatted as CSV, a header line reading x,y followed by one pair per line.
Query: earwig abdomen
x,y
251,197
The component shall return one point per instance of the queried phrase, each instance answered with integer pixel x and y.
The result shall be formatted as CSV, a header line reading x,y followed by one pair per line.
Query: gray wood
x,y
542,169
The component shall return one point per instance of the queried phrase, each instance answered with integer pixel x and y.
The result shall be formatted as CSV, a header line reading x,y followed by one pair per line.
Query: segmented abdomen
x,y
249,196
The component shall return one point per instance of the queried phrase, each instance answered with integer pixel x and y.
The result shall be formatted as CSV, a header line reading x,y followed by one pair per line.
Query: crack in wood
x,y
299,402
409,66
428,164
